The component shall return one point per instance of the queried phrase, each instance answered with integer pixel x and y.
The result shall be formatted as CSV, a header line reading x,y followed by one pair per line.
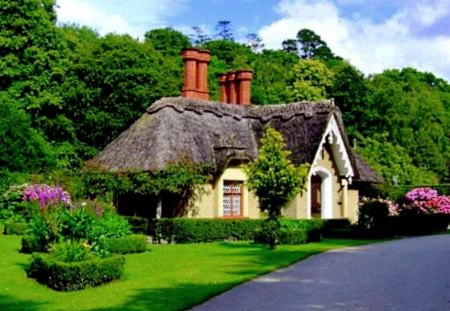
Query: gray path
x,y
407,274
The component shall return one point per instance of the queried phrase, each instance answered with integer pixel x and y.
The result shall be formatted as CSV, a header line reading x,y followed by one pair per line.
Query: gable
x,y
342,155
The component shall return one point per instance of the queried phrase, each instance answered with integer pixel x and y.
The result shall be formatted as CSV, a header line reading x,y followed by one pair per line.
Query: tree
x,y
349,91
230,51
114,80
168,41
311,80
200,38
254,42
274,178
290,46
224,31
22,147
393,163
412,107
272,76
312,46
34,65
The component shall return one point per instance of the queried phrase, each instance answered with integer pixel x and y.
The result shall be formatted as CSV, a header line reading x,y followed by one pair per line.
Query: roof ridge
x,y
263,113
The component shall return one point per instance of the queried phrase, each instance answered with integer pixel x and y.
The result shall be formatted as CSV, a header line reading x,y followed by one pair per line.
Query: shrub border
x,y
62,276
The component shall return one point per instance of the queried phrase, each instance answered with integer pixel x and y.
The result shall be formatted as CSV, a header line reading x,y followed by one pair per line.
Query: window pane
x,y
236,205
226,205
232,202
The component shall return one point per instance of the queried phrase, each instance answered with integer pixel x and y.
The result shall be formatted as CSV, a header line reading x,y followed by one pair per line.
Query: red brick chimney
x,y
203,59
232,90
190,73
235,87
195,73
223,88
244,80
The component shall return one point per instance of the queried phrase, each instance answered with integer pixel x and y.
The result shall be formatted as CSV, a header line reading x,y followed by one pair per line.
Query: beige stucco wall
x,y
210,204
297,208
353,200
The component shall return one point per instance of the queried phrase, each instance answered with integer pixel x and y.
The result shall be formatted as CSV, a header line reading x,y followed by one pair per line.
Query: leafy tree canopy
x,y
272,176
168,41
311,80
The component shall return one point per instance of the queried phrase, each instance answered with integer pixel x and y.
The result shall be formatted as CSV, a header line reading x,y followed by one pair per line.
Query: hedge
x,y
295,231
31,244
17,228
127,245
417,224
63,276
188,230
139,225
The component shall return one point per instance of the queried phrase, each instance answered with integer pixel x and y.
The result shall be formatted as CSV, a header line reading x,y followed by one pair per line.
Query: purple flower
x,y
46,195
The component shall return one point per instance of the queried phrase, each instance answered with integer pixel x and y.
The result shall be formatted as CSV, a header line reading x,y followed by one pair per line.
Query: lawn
x,y
166,277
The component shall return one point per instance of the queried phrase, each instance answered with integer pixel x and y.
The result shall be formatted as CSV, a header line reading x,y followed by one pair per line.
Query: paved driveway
x,y
406,274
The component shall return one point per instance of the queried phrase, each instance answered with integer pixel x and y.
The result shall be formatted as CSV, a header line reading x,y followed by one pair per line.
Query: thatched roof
x,y
205,132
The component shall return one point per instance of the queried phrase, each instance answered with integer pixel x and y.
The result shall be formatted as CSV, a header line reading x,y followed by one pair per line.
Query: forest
x,y
66,92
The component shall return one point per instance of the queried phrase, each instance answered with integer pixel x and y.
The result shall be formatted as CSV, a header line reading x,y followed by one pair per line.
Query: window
x,y
232,199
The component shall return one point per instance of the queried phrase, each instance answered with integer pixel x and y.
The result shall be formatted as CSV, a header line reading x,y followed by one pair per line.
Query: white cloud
x,y
371,46
133,16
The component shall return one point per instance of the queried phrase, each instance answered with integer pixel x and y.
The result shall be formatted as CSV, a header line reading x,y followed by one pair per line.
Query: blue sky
x,y
372,34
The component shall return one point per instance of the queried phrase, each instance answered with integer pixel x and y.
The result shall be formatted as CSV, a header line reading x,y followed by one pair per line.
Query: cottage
x,y
226,134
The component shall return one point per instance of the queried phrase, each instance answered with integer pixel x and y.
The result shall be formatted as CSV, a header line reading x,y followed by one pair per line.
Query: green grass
x,y
166,277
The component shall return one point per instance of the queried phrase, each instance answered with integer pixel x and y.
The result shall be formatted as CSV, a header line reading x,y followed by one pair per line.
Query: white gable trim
x,y
333,136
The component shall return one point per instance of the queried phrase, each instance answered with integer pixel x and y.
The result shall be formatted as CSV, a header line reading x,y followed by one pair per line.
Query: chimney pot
x,y
223,87
244,82
232,91
203,59
190,57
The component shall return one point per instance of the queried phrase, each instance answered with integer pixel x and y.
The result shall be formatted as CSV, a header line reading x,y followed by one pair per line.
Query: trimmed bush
x,y
186,230
294,231
17,228
31,244
126,245
162,229
293,236
335,223
67,276
139,225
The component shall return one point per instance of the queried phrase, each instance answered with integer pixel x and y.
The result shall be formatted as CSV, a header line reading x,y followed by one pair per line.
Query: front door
x,y
316,196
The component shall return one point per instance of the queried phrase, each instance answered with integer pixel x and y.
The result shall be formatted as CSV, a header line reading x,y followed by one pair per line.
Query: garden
x,y
54,247
82,255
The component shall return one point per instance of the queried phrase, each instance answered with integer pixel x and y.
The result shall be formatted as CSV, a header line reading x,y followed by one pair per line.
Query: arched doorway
x,y
321,194
316,196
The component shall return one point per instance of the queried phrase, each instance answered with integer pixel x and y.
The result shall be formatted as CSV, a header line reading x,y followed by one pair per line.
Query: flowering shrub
x,y
440,204
394,207
46,196
427,201
421,195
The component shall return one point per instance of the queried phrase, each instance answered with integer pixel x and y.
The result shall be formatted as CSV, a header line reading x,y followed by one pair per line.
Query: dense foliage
x,y
66,92
185,230
272,176
275,180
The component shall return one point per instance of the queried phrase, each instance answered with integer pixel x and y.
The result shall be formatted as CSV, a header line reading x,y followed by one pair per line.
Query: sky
x,y
373,35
